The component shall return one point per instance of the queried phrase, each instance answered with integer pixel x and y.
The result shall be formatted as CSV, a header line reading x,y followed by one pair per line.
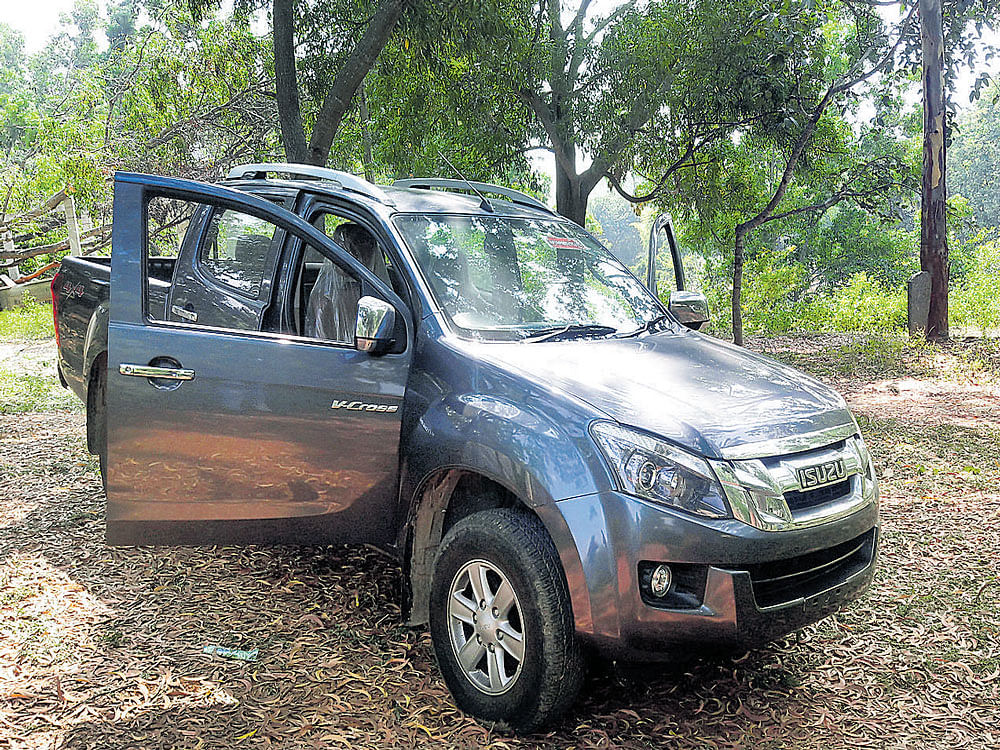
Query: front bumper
x,y
756,585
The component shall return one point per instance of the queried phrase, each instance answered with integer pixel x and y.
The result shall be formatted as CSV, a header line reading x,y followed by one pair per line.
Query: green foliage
x,y
429,100
732,82
29,320
23,392
778,299
973,157
171,97
618,228
975,301
194,97
772,293
846,240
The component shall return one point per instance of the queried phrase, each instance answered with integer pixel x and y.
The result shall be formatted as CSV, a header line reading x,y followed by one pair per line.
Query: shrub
x,y
772,293
861,305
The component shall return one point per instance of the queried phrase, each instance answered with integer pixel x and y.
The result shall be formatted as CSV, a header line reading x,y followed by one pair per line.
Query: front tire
x,y
501,620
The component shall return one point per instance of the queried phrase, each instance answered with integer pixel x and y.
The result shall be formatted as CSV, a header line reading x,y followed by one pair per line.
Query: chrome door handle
x,y
166,373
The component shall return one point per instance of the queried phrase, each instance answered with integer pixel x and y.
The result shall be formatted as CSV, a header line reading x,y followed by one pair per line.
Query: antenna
x,y
485,203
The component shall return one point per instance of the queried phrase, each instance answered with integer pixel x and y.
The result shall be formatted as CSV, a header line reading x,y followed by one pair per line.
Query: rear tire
x,y
522,662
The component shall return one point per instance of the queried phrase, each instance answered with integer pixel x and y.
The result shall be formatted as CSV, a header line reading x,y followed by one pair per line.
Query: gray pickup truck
x,y
453,374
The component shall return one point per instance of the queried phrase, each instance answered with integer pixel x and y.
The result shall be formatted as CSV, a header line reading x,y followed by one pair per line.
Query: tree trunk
x,y
286,83
738,285
933,196
571,201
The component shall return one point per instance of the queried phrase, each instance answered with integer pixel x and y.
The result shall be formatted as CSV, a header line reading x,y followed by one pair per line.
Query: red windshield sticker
x,y
564,243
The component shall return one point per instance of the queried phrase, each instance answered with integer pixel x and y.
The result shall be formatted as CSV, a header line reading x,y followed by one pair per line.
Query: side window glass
x,y
695,270
330,222
168,222
236,249
666,272
692,262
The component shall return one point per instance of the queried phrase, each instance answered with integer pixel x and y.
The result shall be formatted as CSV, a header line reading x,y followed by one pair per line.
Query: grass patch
x,y
965,453
884,356
23,392
30,320
976,357
860,356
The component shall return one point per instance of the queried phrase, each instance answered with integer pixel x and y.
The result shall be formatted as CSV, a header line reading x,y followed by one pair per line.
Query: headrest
x,y
356,240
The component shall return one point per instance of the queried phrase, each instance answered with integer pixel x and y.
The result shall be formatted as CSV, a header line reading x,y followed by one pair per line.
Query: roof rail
x,y
515,196
340,179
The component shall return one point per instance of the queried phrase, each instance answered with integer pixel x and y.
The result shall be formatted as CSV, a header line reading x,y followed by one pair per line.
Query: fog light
x,y
660,581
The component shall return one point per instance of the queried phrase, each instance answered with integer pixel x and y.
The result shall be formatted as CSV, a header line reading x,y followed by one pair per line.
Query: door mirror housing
x,y
690,308
375,326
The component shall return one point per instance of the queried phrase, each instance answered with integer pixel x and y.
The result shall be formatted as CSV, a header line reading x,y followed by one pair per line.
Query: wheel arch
x,y
95,409
95,342
451,493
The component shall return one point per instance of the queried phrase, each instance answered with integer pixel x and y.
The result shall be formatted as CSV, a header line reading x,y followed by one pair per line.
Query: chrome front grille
x,y
802,499
768,493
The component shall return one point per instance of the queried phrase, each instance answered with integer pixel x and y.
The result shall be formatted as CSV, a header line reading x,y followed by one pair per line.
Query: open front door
x,y
222,432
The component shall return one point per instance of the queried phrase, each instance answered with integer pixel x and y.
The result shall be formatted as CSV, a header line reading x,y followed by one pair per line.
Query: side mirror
x,y
690,308
376,323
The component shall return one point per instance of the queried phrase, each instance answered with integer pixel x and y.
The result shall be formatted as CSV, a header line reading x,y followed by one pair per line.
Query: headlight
x,y
655,470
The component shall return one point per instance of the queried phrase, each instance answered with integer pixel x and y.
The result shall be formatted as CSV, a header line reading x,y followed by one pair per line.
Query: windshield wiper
x,y
570,331
649,325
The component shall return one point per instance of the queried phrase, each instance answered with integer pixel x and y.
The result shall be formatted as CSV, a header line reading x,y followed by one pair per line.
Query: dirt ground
x,y
103,647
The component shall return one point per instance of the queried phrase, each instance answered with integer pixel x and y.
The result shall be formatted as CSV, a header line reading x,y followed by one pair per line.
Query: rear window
x,y
236,249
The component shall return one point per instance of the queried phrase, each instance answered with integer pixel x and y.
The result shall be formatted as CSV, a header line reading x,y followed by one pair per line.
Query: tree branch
x,y
99,233
641,111
544,114
618,12
807,132
616,183
350,76
883,63
581,13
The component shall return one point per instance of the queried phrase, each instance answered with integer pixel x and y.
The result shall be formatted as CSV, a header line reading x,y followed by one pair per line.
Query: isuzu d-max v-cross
x,y
459,377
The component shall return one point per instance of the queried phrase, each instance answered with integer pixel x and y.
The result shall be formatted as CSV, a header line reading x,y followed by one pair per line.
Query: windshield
x,y
506,278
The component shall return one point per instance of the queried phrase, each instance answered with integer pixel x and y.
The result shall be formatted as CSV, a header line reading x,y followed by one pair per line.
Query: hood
x,y
708,395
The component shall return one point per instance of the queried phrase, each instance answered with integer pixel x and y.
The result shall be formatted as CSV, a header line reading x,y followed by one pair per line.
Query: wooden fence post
x,y
69,206
8,248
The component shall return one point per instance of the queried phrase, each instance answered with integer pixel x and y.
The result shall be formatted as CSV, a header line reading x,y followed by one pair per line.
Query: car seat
x,y
332,310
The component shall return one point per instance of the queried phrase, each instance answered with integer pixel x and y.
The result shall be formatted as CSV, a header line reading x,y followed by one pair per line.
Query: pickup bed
x,y
475,386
